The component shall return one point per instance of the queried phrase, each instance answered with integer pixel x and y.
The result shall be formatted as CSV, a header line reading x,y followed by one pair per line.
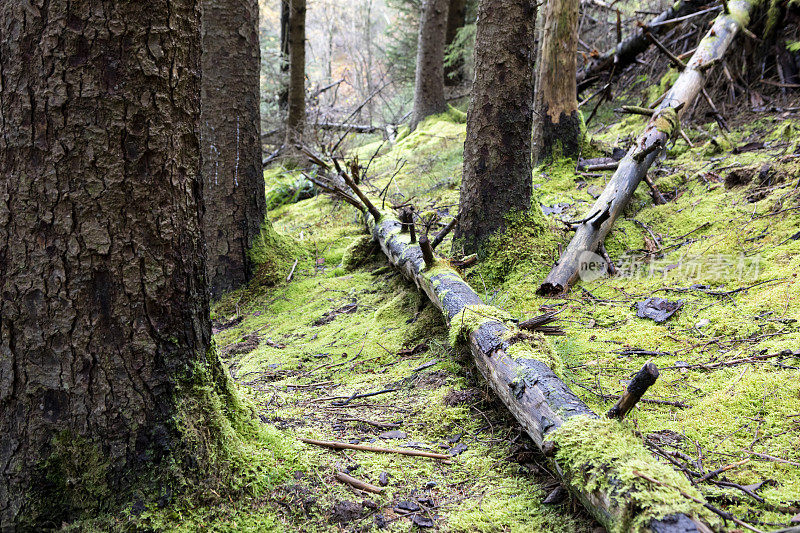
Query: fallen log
x,y
595,457
663,126
352,128
626,52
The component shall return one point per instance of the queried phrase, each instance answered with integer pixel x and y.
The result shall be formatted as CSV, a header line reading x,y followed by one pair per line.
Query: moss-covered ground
x,y
726,243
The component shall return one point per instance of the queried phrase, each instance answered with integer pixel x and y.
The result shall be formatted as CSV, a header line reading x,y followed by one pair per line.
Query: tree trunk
x,y
578,259
456,18
283,96
295,121
497,151
429,82
233,183
556,125
104,328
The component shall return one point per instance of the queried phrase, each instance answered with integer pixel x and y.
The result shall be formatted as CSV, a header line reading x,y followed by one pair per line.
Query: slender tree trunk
x,y
233,183
497,151
556,124
104,329
283,96
295,121
456,18
429,83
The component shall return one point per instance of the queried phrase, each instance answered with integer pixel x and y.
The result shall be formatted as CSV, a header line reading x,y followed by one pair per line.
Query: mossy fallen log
x,y
663,126
626,51
597,458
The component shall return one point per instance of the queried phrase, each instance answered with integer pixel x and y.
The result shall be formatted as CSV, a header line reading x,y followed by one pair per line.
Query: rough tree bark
x,y
628,50
662,127
233,184
429,79
283,95
456,18
104,329
295,121
556,124
497,150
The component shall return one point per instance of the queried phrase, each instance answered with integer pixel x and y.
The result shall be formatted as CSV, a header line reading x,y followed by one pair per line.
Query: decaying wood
x,y
626,52
352,128
663,126
635,390
539,400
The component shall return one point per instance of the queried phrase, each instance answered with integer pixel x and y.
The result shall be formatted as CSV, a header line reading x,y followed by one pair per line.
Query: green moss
x,y
358,251
600,455
471,318
536,347
456,115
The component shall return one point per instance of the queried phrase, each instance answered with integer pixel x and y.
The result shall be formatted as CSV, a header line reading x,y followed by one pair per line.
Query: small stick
x,y
686,138
636,389
364,448
291,272
602,166
725,6
382,425
658,199
341,194
637,110
612,270
437,240
773,458
357,483
678,63
619,26
427,251
718,471
363,197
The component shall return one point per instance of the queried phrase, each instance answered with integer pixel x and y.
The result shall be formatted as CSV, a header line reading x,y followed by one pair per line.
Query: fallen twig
x,y
357,483
378,449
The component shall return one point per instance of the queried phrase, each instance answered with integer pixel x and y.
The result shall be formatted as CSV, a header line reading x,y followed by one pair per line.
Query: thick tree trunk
x,y
579,258
233,184
628,50
551,414
429,81
556,124
295,121
456,18
497,151
283,96
104,329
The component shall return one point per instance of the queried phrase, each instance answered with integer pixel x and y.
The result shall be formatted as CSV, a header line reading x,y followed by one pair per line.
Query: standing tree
x,y
429,80
295,121
107,375
283,96
557,125
497,151
456,18
233,184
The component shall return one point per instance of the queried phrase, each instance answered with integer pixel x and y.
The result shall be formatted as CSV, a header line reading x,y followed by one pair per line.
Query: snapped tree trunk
x,y
598,460
429,79
233,184
456,18
626,52
497,151
283,95
579,258
556,124
295,121
104,316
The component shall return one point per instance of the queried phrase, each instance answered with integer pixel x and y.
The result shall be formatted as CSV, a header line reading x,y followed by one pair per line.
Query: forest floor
x,y
725,246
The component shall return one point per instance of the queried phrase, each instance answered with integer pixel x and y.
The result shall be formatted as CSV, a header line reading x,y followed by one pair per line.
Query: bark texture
x,y
663,126
556,124
283,96
233,184
429,80
456,18
104,312
497,151
295,121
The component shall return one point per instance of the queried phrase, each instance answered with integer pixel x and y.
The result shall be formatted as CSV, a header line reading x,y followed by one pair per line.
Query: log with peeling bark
x,y
626,52
663,126
354,128
529,388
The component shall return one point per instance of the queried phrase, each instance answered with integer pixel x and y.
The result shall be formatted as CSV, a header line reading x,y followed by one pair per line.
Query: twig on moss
x,y
379,449
636,389
437,240
357,483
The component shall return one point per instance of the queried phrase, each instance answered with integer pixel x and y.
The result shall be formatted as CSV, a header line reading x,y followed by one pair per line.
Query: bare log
x,y
351,128
628,50
663,126
542,403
